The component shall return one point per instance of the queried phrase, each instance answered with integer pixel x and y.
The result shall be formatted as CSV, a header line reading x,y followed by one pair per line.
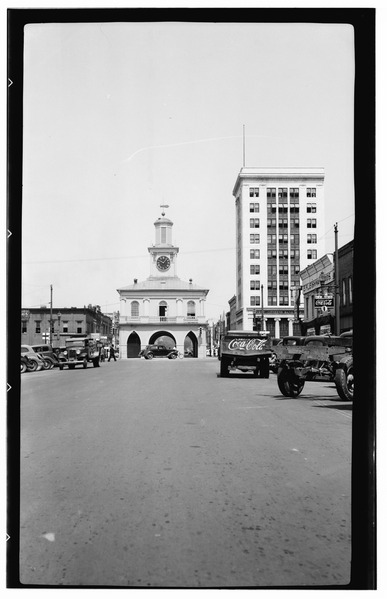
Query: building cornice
x,y
268,174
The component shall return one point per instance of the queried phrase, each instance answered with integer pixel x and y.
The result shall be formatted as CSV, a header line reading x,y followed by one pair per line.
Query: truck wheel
x,y
344,380
264,369
289,384
224,367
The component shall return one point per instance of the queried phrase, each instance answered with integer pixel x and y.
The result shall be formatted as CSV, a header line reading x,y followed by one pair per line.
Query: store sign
x,y
323,301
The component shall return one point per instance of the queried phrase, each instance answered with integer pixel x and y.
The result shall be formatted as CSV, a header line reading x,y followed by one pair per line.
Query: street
x,y
162,474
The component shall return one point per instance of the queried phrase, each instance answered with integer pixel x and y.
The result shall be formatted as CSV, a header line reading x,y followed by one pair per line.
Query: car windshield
x,y
75,343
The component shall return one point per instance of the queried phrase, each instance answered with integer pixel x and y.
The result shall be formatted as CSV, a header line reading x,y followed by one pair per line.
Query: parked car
x,y
47,353
35,361
158,351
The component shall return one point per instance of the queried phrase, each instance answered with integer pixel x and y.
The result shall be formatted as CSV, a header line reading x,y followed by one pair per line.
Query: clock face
x,y
163,263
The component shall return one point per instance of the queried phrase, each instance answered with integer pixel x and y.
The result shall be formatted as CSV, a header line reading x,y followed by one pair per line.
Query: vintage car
x,y
158,351
79,351
33,361
47,353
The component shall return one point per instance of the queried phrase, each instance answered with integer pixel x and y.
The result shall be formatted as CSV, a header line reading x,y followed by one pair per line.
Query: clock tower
x,y
163,253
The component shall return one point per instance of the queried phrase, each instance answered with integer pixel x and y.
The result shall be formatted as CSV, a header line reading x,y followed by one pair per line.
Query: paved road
x,y
162,474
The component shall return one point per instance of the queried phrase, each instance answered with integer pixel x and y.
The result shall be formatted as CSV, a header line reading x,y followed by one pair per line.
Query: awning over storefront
x,y
317,323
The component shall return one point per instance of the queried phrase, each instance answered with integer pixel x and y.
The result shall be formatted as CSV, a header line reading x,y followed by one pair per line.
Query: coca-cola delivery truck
x,y
245,351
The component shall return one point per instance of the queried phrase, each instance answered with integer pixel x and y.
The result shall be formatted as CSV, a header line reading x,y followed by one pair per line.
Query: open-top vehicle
x,y
317,358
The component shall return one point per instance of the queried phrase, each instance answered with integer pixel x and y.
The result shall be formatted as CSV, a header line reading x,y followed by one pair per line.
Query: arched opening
x,y
191,345
162,338
133,346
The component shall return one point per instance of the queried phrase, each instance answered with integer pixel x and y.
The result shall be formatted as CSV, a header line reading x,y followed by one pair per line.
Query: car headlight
x,y
78,351
65,353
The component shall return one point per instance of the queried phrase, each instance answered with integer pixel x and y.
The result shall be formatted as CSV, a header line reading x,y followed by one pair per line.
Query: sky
x,y
120,118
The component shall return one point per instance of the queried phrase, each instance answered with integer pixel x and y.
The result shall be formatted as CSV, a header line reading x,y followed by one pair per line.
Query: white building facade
x,y
279,231
163,306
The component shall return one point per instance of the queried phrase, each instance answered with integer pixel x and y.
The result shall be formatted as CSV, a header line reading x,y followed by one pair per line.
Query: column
x,y
290,320
277,327
146,304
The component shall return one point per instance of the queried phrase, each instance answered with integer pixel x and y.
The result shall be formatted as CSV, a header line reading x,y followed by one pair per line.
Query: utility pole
x,y
337,284
50,314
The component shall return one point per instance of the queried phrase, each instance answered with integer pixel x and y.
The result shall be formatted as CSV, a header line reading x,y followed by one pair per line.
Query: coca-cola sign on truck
x,y
247,344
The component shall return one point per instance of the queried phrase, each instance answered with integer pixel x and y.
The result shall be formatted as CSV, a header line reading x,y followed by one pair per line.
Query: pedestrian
x,y
112,353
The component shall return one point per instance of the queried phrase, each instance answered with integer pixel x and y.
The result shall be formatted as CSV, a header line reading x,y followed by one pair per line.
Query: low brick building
x,y
65,322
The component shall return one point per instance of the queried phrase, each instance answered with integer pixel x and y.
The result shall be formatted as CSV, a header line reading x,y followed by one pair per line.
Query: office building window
x,y
254,238
310,207
283,208
282,193
283,223
283,269
272,253
295,269
271,270
294,193
254,223
254,207
271,238
255,269
310,192
271,284
294,209
255,285
284,300
272,300
294,253
65,326
311,238
271,223
255,300
311,223
295,223
24,326
282,238
282,254
254,192
294,239
37,326
254,254
312,254
270,193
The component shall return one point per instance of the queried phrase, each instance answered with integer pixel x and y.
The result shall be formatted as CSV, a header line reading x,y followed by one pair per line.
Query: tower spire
x,y
163,206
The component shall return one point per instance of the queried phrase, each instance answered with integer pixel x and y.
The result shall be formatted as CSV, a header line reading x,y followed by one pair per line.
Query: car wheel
x,y
23,367
32,366
149,356
289,384
172,356
344,380
46,364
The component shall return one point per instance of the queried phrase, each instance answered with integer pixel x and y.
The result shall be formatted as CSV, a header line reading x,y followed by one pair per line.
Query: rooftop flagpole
x,y
244,146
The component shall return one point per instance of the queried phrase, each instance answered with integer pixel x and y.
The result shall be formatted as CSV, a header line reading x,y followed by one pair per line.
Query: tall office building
x,y
279,231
